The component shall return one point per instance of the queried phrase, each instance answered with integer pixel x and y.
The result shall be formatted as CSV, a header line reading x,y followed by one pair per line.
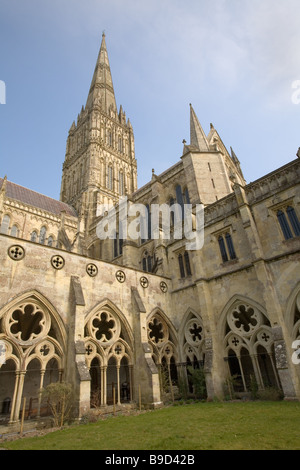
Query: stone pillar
x,y
208,363
146,373
77,372
282,364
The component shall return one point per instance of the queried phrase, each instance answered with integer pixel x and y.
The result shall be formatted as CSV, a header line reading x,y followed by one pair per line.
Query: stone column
x,y
282,364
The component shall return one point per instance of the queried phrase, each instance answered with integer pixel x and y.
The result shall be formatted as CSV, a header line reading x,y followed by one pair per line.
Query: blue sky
x,y
234,60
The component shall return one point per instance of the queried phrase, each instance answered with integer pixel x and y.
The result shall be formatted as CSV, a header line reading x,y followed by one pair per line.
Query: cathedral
x,y
123,315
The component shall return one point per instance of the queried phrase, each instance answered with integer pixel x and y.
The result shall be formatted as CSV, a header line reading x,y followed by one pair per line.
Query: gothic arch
x,y
158,312
236,298
248,344
163,341
108,304
35,338
34,294
192,337
109,353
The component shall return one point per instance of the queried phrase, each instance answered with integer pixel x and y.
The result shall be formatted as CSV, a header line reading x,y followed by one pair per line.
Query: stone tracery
x,y
249,346
34,352
108,356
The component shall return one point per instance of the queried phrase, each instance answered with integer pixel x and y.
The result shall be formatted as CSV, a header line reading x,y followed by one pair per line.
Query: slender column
x,y
131,382
118,384
101,385
242,372
19,395
104,386
13,405
257,371
40,392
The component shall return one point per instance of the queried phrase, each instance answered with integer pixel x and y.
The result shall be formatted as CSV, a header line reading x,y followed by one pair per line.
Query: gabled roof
x,y
37,200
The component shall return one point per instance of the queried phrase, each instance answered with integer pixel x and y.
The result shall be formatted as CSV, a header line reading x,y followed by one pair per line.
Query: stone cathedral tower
x,y
100,164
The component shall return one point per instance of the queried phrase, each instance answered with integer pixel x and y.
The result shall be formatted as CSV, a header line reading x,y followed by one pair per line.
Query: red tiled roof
x,y
32,198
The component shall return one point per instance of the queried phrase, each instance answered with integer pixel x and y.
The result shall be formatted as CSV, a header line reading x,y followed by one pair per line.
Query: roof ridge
x,y
32,192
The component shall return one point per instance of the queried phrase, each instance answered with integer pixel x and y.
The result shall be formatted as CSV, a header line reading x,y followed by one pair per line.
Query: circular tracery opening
x,y
104,328
156,332
26,322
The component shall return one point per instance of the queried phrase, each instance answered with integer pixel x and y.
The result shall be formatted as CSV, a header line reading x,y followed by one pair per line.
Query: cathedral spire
x,y
197,135
101,89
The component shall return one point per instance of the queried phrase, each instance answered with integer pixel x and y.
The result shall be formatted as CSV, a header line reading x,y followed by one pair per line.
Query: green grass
x,y
215,426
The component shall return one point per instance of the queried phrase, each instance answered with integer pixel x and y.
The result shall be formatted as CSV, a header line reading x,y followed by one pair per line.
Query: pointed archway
x,y
34,338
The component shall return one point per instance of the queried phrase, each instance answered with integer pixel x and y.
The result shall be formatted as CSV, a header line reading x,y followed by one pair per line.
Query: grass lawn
x,y
206,426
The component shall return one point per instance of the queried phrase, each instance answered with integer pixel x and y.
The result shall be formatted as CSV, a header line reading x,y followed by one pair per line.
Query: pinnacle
x,y
197,136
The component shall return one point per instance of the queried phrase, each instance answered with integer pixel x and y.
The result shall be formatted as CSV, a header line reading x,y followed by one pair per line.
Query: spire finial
x,y
197,136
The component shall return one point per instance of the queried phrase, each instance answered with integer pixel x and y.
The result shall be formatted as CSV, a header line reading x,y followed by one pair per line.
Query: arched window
x,y
147,262
14,231
50,241
171,203
110,178
184,265
186,196
179,197
230,247
120,144
33,237
164,351
5,224
121,183
181,266
293,220
222,249
187,263
43,235
284,225
109,138
226,249
145,229
118,244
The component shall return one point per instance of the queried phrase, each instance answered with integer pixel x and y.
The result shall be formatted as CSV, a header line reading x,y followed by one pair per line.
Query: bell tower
x,y
100,164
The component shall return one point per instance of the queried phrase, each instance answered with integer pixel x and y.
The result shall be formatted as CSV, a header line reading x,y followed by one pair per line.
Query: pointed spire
x,y
233,156
198,137
101,89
